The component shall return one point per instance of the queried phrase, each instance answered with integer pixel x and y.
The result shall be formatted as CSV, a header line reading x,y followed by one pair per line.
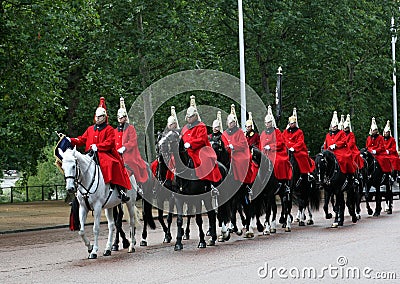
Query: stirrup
x,y
123,196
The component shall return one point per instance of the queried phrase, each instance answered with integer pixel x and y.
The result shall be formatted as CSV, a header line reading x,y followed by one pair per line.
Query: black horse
x,y
305,191
190,190
375,178
334,183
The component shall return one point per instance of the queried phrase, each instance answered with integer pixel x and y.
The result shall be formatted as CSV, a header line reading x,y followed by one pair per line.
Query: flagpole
x,y
394,39
242,68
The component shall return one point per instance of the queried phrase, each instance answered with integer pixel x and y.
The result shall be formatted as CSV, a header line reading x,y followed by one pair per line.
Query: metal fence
x,y
32,193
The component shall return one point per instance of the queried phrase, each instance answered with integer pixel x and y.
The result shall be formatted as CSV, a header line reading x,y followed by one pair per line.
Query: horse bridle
x,y
335,170
78,174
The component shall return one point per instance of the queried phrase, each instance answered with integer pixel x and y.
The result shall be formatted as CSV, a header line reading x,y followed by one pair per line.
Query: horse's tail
x,y
314,197
148,214
74,224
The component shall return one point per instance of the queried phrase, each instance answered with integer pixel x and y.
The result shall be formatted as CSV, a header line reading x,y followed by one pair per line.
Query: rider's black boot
x,y
122,194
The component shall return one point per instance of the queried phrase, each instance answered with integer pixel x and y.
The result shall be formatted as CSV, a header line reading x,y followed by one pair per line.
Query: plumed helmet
x,y
193,104
233,113
171,120
191,111
335,120
250,122
293,118
173,114
340,126
270,117
374,126
219,118
215,123
230,119
387,128
347,123
102,108
122,109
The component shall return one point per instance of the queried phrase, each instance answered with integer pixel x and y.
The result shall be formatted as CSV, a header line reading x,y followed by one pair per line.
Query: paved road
x,y
58,256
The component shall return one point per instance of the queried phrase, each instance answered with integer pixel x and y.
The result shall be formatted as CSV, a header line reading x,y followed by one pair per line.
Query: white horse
x,y
83,176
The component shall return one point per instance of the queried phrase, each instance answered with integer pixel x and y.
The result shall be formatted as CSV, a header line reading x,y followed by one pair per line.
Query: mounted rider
x,y
195,139
351,143
127,146
241,166
101,139
273,146
294,140
375,144
253,138
335,141
172,125
390,146
218,141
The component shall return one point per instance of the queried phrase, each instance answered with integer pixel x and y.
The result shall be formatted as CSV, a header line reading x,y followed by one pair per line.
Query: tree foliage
x,y
58,57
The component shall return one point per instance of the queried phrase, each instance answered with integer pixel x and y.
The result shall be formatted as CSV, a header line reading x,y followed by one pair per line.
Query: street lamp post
x,y
394,39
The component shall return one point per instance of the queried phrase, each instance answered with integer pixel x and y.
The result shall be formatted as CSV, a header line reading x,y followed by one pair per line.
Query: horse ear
x,y
61,152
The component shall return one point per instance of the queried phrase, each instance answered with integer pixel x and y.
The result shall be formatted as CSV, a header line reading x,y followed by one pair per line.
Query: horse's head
x,y
321,164
70,168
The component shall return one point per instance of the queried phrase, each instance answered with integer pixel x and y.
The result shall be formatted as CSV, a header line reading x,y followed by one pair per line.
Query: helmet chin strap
x,y
100,121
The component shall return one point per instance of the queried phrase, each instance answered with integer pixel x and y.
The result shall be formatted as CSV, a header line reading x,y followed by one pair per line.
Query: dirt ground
x,y
16,217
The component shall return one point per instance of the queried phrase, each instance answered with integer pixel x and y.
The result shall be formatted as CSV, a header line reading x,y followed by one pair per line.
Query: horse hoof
x,y
107,252
186,236
266,233
114,247
260,228
370,212
296,220
376,214
92,256
131,249
340,223
389,211
354,219
90,249
167,240
211,242
358,216
221,239
328,216
238,232
178,246
301,223
334,225
282,220
310,222
287,229
202,244
125,244
227,237
249,235
273,231
143,243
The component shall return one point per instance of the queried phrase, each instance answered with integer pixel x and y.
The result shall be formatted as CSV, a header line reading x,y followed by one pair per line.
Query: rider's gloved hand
x,y
230,146
121,150
333,146
291,149
186,145
387,152
93,147
267,147
373,152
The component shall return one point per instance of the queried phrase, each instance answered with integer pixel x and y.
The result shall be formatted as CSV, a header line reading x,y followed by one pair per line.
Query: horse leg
x,y
82,221
389,197
143,242
287,199
327,198
351,204
186,231
368,198
378,201
132,229
111,229
118,225
310,220
212,220
96,229
179,223
274,209
199,222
